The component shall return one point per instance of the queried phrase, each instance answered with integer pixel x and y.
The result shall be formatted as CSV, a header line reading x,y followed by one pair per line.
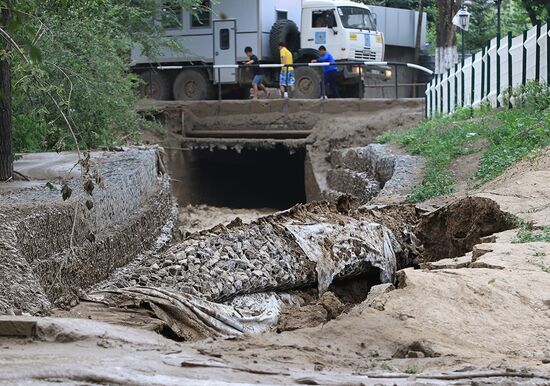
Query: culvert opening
x,y
249,178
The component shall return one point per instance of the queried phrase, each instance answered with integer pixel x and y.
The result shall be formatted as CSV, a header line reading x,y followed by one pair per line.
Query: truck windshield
x,y
355,17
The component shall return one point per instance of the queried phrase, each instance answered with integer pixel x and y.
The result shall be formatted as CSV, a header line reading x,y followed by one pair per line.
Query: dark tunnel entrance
x,y
261,178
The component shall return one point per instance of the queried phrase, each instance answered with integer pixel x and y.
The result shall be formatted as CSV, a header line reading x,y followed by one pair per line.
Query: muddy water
x,y
196,218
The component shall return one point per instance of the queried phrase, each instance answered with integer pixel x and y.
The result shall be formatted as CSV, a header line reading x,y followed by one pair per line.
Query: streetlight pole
x,y
499,2
462,45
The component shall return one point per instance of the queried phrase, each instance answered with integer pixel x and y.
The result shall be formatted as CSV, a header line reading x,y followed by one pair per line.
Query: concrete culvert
x,y
270,178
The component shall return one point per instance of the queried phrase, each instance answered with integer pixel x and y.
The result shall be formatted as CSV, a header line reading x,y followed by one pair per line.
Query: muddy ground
x,y
470,311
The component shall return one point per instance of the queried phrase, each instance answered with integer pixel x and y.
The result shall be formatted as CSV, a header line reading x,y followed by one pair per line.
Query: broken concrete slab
x,y
395,173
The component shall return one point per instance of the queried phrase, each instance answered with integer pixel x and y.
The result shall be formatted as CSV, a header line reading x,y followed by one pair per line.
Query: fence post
x,y
524,60
473,82
537,53
323,85
462,83
436,92
498,70
488,70
429,93
396,88
426,104
456,87
510,78
548,50
449,91
441,94
219,84
483,60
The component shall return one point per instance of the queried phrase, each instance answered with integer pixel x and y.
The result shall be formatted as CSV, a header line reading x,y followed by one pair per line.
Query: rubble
x,y
275,253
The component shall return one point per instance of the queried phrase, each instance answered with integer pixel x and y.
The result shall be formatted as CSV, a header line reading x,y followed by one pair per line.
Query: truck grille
x,y
365,55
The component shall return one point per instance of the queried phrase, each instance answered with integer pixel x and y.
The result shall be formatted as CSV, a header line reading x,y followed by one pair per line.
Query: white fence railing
x,y
485,76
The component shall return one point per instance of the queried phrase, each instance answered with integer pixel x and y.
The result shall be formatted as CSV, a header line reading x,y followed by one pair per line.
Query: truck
x,y
218,32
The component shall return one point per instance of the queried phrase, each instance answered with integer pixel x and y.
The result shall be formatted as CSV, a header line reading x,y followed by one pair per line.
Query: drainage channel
x,y
238,177
288,270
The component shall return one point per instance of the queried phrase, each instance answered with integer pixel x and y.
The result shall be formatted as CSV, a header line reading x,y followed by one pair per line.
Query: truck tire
x,y
192,85
308,83
285,31
156,85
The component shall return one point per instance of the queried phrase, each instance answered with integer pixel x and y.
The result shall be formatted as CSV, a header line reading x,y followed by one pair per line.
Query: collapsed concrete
x,y
307,245
374,172
46,256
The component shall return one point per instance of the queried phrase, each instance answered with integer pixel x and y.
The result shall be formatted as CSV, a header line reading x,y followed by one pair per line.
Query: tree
x,y
6,153
446,54
70,71
535,9
417,42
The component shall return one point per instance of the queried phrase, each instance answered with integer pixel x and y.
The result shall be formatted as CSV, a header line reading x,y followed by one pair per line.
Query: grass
x,y
412,369
527,235
506,135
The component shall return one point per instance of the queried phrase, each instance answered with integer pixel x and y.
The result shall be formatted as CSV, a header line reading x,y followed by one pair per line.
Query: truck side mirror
x,y
375,21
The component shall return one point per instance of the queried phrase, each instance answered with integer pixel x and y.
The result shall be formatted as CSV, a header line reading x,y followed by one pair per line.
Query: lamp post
x,y
462,20
498,2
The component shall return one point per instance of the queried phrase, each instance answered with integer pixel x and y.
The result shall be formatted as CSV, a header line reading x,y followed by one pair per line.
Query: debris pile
x,y
308,245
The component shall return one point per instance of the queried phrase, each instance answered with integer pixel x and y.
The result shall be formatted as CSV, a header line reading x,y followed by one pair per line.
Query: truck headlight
x,y
388,74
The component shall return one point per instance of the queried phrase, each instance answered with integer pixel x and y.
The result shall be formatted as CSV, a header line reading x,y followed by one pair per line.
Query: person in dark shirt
x,y
258,73
330,72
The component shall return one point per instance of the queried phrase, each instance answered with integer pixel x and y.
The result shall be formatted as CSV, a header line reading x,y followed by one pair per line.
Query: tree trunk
x,y
417,44
530,11
6,151
446,54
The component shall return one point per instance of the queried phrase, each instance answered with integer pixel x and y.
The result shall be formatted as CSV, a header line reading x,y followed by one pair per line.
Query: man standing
x,y
330,72
258,73
286,79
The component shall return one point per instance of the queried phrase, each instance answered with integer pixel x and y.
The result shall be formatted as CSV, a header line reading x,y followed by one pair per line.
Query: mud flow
x,y
246,254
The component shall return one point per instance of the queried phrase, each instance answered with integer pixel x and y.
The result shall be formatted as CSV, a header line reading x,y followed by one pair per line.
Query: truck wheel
x,y
308,83
192,85
285,31
156,85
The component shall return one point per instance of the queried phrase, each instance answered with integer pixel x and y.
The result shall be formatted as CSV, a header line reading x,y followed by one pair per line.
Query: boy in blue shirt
x,y
330,71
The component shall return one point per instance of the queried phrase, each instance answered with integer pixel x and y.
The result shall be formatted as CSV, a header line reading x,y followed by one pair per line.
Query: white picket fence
x,y
486,75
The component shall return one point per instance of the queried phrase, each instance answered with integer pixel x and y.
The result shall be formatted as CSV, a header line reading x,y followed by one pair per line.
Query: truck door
x,y
225,50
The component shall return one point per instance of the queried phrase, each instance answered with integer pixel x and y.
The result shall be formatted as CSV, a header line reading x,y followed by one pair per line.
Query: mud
x,y
454,229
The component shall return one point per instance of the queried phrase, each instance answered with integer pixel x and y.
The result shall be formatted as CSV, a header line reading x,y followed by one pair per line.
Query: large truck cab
x,y
346,28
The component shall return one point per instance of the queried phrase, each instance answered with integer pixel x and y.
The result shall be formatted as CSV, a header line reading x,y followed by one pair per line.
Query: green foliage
x,y
507,135
528,235
77,54
412,369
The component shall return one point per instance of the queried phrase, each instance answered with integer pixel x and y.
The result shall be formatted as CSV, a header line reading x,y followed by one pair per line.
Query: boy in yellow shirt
x,y
286,79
